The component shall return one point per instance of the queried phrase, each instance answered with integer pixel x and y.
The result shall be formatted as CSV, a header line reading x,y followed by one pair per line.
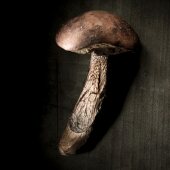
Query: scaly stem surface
x,y
87,106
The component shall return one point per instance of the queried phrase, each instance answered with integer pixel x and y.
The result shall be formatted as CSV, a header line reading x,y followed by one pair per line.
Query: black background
x,y
132,130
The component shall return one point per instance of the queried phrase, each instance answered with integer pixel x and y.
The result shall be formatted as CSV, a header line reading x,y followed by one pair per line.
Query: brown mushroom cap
x,y
95,30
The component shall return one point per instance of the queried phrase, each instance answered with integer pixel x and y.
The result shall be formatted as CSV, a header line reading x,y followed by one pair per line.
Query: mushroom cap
x,y
96,30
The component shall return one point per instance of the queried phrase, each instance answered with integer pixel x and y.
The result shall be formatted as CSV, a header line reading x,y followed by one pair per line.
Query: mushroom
x,y
102,34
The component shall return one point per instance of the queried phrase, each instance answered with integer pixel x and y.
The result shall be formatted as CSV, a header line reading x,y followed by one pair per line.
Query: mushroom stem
x,y
88,105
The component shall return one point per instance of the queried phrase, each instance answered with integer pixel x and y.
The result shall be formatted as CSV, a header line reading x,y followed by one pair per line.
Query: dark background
x,y
132,131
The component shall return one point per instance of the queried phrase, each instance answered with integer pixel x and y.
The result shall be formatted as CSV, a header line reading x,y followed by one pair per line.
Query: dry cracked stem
x,y
88,105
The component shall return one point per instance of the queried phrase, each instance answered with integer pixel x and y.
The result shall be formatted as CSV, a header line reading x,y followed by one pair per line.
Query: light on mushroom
x,y
101,34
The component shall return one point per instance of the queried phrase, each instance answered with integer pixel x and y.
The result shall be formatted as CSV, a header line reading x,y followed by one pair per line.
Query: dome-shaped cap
x,y
96,29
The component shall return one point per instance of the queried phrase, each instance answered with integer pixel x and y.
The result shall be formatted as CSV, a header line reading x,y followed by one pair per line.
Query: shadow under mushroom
x,y
122,69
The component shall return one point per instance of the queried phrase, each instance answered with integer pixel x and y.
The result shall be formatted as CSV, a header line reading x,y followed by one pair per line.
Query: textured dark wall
x,y
133,128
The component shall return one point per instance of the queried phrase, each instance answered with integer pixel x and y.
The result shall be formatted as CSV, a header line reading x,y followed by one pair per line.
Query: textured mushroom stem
x,y
88,105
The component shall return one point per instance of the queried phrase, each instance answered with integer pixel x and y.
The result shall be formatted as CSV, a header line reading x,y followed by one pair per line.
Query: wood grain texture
x,y
133,129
